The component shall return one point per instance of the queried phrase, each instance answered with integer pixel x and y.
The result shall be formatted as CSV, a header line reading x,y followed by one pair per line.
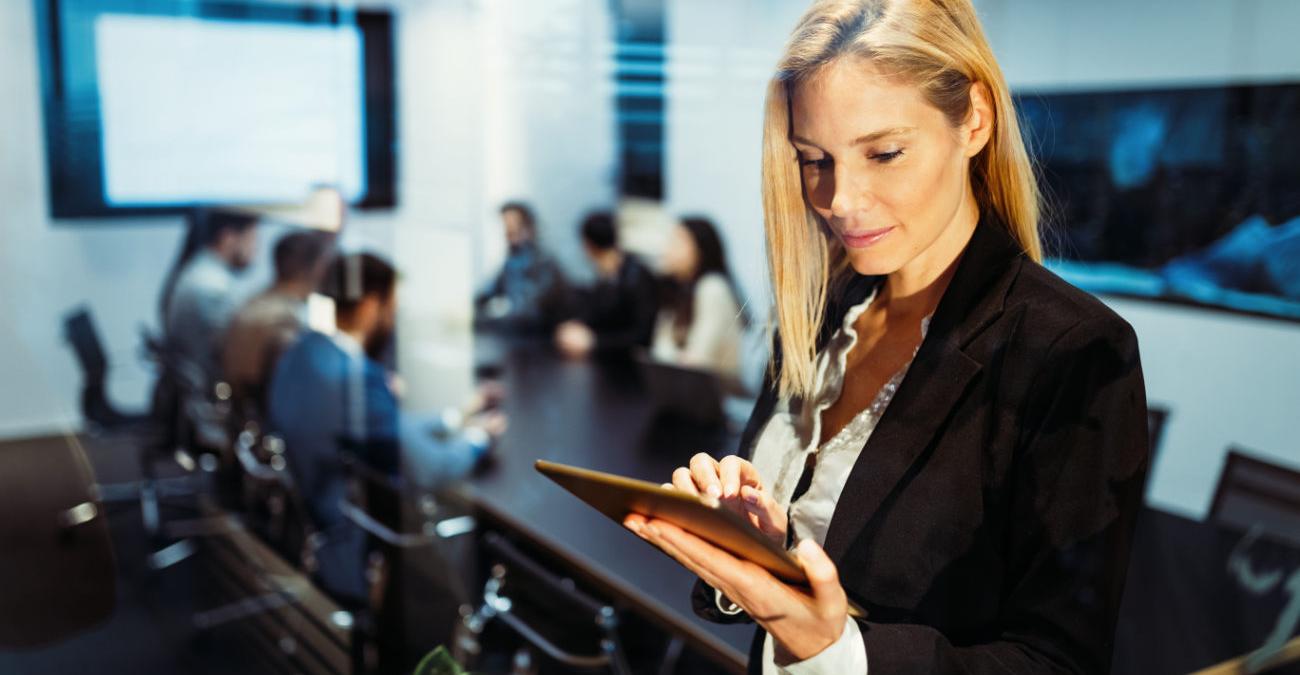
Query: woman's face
x,y
883,168
681,257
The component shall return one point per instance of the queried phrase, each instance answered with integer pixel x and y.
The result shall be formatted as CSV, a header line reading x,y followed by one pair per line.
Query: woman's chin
x,y
872,264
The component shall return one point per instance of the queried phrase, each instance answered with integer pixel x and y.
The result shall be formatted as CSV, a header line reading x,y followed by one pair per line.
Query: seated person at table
x,y
329,391
528,295
272,320
198,301
618,313
701,322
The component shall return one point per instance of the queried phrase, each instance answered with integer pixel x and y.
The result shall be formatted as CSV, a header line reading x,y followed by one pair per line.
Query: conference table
x,y
594,413
1183,609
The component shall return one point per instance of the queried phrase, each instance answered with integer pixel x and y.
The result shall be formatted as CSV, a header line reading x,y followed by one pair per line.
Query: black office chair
x,y
1157,418
524,596
57,562
158,435
80,333
1255,494
182,401
399,518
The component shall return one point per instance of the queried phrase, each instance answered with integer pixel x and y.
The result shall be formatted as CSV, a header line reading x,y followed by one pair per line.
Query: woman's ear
x,y
977,129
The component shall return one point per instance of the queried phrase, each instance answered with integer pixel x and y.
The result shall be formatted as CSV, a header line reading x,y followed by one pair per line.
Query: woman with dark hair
x,y
700,325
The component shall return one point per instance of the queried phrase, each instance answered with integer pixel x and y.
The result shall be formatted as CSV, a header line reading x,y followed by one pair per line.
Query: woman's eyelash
x,y
819,163
823,162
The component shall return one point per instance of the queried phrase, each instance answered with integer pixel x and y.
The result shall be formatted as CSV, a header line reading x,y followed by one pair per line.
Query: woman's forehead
x,y
848,101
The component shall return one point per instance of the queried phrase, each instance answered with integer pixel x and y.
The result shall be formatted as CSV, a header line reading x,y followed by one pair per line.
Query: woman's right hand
x,y
736,484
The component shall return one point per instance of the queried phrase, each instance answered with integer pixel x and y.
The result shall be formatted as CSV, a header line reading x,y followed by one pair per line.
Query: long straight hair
x,y
937,46
712,257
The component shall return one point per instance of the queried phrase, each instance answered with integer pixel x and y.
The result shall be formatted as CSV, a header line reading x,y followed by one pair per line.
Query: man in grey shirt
x,y
199,303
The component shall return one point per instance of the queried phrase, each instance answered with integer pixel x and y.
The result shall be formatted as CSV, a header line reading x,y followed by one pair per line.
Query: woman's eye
x,y
887,157
820,163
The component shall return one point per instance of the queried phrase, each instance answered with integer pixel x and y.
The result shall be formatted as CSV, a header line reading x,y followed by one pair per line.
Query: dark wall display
x,y
1189,195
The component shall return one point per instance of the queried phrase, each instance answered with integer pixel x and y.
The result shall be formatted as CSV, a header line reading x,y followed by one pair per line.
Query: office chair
x,y
81,334
1157,419
1253,493
520,594
260,458
156,435
57,562
277,511
182,404
379,505
1263,500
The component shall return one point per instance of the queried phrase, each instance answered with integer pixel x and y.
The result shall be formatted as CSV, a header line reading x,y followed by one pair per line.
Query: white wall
x,y
469,99
721,54
46,269
548,129
1227,380
1119,43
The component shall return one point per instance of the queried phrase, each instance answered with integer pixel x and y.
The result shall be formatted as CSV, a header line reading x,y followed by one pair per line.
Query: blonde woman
x,y
950,435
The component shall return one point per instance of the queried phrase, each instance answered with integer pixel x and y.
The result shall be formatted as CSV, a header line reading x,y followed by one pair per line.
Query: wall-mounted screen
x,y
158,105
1189,195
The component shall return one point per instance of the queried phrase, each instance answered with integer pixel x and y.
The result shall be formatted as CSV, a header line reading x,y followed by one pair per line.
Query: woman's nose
x,y
852,194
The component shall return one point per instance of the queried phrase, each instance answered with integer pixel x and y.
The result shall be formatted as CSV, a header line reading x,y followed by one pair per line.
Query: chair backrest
x,y
1256,493
1156,419
79,330
379,494
57,563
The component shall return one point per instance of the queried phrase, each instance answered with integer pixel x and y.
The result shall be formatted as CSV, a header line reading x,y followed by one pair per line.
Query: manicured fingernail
x,y
713,491
652,530
751,497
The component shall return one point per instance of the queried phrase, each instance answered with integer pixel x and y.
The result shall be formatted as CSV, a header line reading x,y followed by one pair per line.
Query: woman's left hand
x,y
802,623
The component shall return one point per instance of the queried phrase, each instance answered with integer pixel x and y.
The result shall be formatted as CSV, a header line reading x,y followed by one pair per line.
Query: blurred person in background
x,y
618,312
529,294
329,391
268,323
701,321
197,302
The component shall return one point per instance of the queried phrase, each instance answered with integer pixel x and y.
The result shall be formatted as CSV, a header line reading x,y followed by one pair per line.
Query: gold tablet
x,y
617,496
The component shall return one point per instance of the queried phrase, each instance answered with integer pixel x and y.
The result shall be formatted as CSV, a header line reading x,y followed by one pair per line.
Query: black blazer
x,y
986,524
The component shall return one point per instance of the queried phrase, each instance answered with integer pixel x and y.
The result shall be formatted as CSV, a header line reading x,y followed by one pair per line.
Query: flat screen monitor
x,y
156,106
1189,195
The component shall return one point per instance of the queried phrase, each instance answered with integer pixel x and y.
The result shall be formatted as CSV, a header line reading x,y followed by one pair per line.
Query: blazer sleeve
x,y
1075,489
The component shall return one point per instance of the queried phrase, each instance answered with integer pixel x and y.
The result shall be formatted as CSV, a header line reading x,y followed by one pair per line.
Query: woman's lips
x,y
864,238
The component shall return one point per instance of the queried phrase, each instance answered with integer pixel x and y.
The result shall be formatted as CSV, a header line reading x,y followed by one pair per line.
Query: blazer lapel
x,y
934,384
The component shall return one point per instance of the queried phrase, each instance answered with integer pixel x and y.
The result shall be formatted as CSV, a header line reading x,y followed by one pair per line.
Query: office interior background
x,y
1166,131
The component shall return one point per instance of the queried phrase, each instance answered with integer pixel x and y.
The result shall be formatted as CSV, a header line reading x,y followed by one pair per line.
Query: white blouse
x,y
780,454
713,338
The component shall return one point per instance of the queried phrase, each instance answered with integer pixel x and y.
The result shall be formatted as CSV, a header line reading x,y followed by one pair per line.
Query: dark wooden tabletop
x,y
596,414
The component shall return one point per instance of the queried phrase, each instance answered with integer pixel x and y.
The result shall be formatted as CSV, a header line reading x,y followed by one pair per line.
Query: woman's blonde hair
x,y
937,45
